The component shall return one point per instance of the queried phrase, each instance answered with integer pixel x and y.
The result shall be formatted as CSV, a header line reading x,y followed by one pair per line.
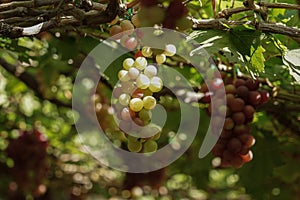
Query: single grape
x,y
145,115
124,99
236,105
140,63
170,50
254,98
127,114
146,51
226,133
133,73
249,111
123,40
238,118
230,89
156,84
248,157
142,81
150,71
160,58
116,32
136,104
243,92
131,43
150,146
128,63
264,96
134,146
127,26
247,139
123,75
149,102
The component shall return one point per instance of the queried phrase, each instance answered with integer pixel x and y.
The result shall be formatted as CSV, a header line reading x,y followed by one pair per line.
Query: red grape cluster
x,y
29,153
173,16
242,99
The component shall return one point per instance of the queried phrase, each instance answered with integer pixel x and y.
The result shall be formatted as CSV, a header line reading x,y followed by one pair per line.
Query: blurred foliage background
x,y
41,156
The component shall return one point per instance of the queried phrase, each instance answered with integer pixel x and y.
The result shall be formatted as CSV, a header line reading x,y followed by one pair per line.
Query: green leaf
x,y
257,58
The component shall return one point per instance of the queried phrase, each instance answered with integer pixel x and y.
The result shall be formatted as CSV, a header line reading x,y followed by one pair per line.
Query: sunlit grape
x,y
150,71
128,63
136,104
146,51
149,102
124,99
133,73
140,63
156,84
170,50
123,75
142,81
160,58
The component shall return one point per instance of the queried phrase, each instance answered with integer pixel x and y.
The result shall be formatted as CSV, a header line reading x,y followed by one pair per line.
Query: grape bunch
x,y
29,146
125,33
134,99
242,99
172,16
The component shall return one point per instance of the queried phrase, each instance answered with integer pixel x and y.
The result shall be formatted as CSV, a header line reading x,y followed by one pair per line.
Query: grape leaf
x,y
292,60
257,58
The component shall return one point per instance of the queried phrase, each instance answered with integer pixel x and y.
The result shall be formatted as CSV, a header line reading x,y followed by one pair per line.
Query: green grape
x,y
150,146
156,84
149,102
150,71
119,135
140,63
133,73
170,50
142,81
160,58
136,104
134,146
123,75
145,115
124,99
146,51
128,63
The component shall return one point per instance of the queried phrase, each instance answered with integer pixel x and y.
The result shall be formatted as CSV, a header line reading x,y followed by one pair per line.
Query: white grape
x,y
136,104
127,63
140,63
156,84
160,58
125,114
149,102
150,71
146,51
123,75
133,73
142,81
170,50
124,99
